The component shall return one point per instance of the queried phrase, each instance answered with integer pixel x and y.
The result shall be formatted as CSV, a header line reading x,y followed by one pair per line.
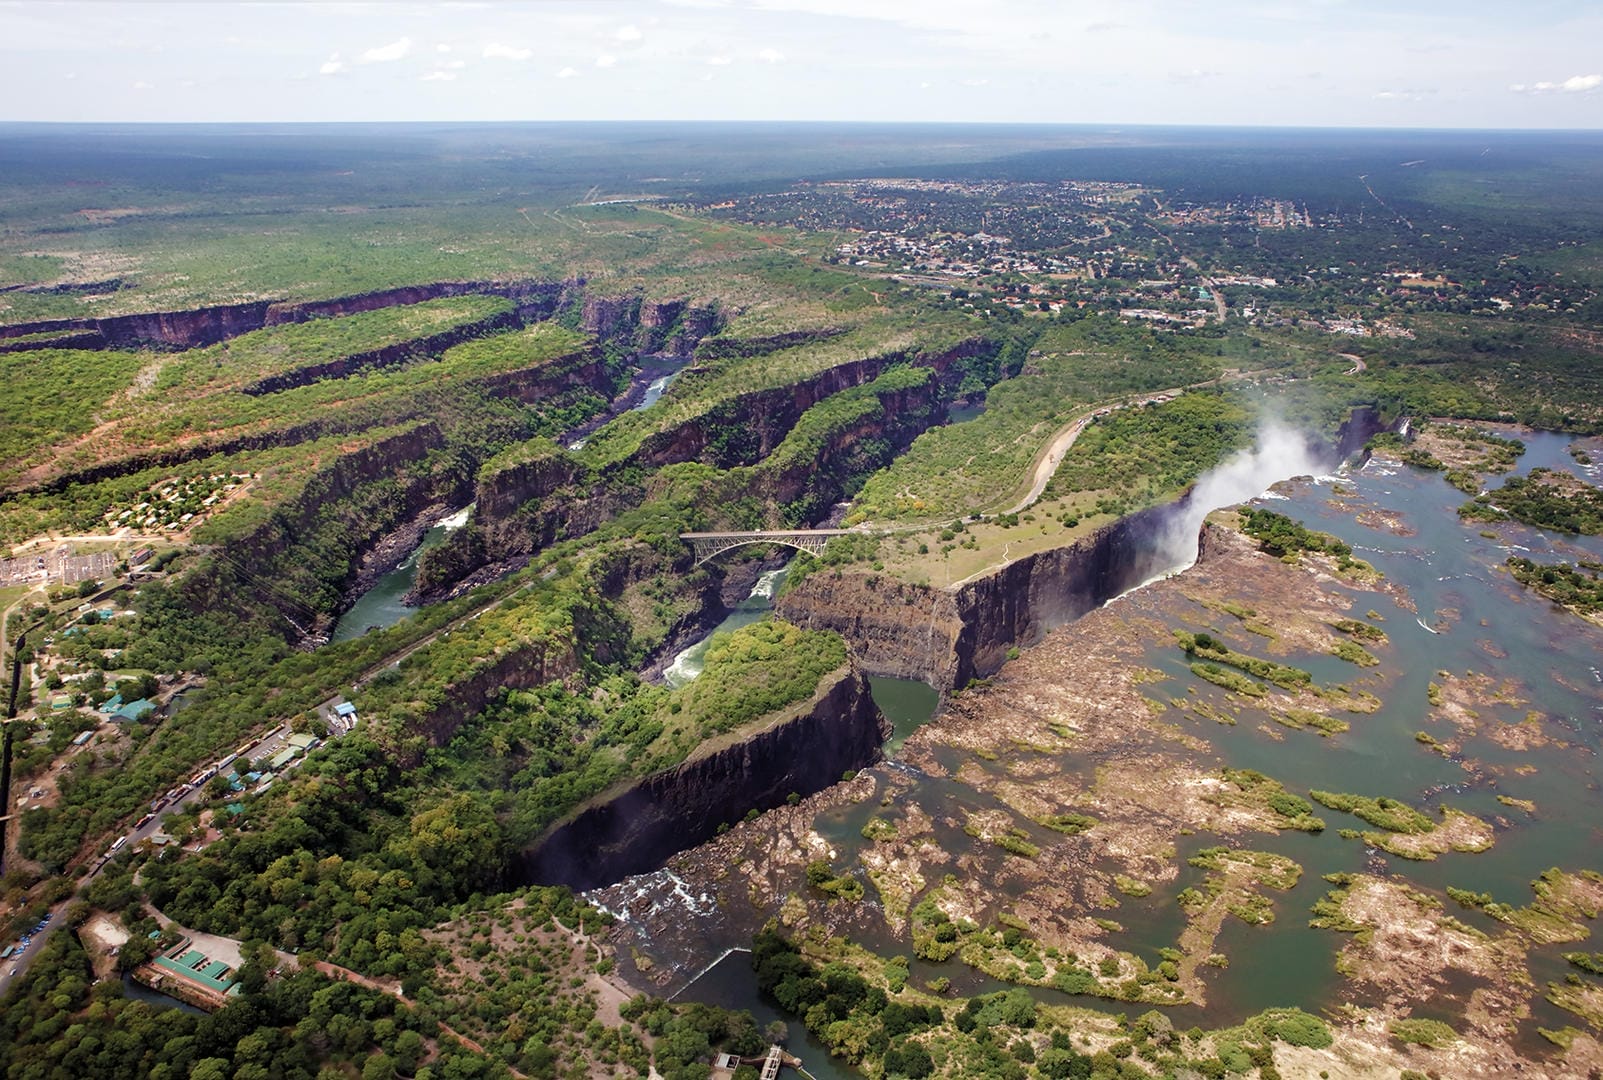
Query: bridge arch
x,y
710,545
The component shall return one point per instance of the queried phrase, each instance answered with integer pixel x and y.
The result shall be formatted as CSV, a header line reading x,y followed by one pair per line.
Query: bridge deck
x,y
763,534
709,545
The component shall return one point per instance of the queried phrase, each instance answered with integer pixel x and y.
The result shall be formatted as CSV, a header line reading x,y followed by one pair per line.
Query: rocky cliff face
x,y
209,325
582,370
496,496
534,299
654,327
635,829
742,430
895,629
723,348
609,317
384,458
854,452
746,428
312,544
947,637
403,352
1020,602
522,666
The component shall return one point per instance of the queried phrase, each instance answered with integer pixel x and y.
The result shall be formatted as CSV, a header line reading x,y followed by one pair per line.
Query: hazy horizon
x,y
1344,64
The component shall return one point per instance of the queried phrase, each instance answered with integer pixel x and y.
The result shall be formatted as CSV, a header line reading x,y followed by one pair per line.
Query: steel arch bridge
x,y
709,545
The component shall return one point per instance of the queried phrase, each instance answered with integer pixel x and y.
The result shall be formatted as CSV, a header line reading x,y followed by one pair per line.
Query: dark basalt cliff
x,y
521,666
852,452
299,558
895,629
946,637
209,325
496,496
555,506
385,458
533,300
669,328
402,352
746,428
546,379
636,828
726,348
1019,603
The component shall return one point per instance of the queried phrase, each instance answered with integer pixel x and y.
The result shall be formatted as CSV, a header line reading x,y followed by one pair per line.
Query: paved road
x,y
266,745
1218,297
1052,455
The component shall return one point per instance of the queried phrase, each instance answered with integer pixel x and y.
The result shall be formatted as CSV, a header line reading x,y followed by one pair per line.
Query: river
x,y
384,604
688,664
1450,607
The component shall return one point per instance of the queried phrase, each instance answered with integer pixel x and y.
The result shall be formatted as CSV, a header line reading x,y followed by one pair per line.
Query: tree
x,y
211,1068
908,1059
409,1047
460,841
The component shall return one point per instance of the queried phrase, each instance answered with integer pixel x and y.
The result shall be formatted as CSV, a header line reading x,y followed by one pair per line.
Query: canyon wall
x,y
209,325
670,328
743,429
520,666
946,637
402,352
499,494
635,828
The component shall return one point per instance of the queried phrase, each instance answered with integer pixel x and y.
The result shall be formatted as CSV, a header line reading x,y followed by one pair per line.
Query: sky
x,y
1359,63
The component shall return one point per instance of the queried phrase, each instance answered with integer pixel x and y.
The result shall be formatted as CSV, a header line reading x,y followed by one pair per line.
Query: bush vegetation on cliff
x,y
1579,587
1541,499
51,394
277,350
958,469
1278,534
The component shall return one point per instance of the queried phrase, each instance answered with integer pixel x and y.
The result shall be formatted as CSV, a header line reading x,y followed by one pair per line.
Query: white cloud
x,y
455,65
567,73
439,76
497,51
143,85
770,56
719,61
383,54
333,66
606,60
442,47
1575,84
629,33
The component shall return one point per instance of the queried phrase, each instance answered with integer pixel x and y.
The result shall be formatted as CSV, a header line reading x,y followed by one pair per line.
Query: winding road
x,y
1052,454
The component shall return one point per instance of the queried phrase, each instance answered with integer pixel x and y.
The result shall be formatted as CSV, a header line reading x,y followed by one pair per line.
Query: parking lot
x,y
14,952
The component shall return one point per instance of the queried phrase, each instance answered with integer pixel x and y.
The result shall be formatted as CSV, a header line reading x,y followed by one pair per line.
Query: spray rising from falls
x,y
1281,453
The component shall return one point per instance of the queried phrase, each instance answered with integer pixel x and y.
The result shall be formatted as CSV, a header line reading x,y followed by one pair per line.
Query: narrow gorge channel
x,y
849,722
385,602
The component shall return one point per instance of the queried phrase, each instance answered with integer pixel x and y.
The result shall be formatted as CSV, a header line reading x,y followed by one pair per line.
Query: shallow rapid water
x,y
689,663
384,605
1450,607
